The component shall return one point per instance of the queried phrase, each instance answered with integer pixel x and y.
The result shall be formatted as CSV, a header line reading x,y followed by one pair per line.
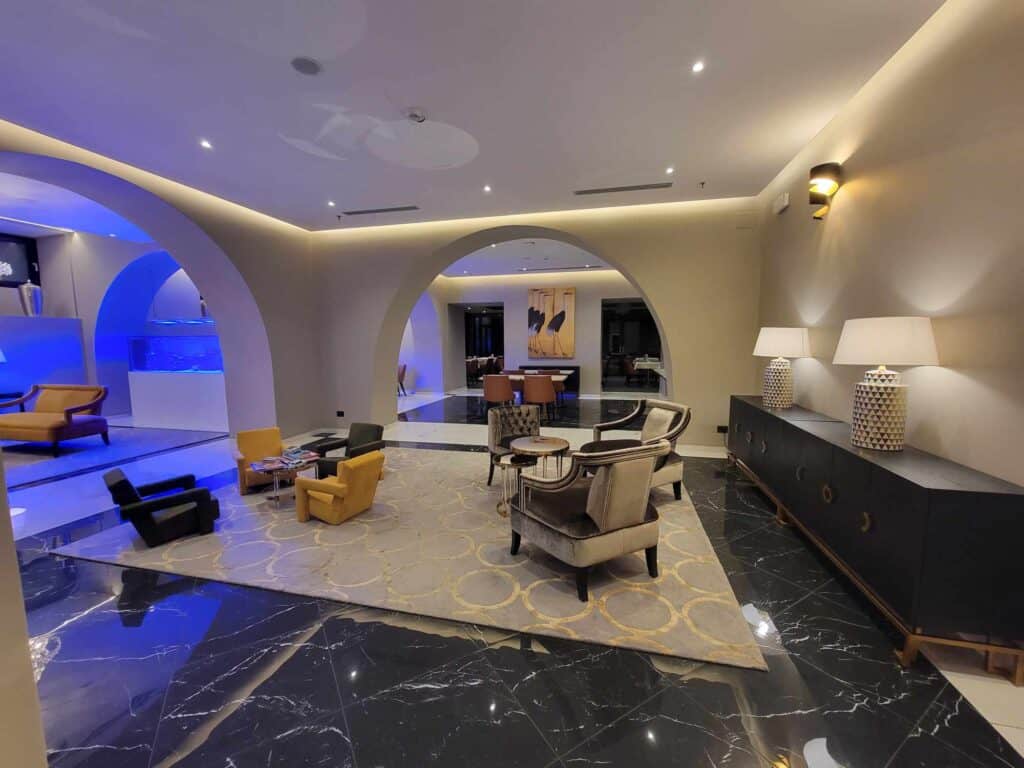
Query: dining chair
x,y
539,390
498,390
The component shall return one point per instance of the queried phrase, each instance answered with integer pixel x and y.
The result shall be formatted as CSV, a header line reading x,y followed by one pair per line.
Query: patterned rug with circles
x,y
433,544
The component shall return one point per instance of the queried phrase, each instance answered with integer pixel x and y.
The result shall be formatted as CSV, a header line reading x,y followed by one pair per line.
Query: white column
x,y
21,737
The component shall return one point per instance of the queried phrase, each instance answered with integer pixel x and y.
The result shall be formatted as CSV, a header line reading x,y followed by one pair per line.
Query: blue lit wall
x,y
40,350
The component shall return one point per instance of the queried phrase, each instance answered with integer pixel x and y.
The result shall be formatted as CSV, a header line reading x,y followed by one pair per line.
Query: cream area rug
x,y
433,544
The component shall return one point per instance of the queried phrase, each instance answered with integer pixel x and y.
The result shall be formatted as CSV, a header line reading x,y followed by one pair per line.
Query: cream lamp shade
x,y
903,341
782,342
880,400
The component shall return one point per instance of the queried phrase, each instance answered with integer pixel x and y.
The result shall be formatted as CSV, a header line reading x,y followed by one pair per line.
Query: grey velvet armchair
x,y
663,421
585,520
505,424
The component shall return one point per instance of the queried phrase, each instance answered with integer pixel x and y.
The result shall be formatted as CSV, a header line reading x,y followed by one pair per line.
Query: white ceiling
x,y
534,97
35,203
518,256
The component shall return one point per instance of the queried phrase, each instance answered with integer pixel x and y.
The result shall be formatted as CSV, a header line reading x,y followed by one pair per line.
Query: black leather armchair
x,y
362,438
158,514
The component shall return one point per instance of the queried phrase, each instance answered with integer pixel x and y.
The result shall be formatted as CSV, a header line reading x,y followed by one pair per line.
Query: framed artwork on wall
x,y
551,315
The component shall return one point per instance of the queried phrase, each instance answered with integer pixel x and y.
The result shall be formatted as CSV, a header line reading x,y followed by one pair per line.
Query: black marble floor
x,y
572,412
144,670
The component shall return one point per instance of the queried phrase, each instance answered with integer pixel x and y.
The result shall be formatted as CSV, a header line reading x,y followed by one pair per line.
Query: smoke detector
x,y
416,115
304,65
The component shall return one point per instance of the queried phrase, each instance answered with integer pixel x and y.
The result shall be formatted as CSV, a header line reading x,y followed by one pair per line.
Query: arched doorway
x,y
157,351
249,379
419,278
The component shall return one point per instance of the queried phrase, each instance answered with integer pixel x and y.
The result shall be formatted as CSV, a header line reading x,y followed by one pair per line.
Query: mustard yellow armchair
x,y
338,498
256,445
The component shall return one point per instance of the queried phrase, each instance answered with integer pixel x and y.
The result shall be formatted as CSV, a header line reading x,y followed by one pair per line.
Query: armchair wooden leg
x,y
490,473
106,437
652,560
517,539
677,489
582,577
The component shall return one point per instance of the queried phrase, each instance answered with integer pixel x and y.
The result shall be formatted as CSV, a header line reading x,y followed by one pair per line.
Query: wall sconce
x,y
824,181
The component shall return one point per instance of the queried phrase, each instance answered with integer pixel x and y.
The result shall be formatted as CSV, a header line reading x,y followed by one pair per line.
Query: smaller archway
x,y
157,350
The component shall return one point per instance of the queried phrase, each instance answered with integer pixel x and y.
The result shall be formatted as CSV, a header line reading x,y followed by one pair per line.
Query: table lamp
x,y
880,401
780,344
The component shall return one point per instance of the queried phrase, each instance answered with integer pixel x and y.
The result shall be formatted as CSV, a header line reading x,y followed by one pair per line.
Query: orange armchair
x,y
340,497
256,445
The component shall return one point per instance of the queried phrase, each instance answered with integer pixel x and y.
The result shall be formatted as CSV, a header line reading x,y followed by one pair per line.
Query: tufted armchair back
x,y
509,422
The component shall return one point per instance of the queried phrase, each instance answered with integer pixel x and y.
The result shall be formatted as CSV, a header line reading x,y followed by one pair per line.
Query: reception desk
x,y
179,400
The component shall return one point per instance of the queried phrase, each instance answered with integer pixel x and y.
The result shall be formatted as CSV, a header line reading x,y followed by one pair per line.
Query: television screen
x,y
18,262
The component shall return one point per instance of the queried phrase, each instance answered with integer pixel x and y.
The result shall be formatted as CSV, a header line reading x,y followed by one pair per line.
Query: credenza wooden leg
x,y
908,655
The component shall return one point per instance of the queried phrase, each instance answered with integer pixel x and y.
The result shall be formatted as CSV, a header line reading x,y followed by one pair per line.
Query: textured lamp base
x,y
879,411
777,386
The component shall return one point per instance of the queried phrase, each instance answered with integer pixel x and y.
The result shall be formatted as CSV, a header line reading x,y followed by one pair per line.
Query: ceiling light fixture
x,y
111,235
487,188
698,66
205,144
670,170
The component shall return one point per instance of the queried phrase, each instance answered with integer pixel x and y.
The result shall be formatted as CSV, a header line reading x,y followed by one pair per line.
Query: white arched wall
x,y
242,261
695,264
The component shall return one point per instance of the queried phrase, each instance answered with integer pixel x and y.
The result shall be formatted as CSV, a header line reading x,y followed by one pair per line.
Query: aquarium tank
x,y
179,354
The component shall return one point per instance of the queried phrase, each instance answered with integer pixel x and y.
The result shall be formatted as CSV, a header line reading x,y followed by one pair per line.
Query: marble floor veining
x,y
138,669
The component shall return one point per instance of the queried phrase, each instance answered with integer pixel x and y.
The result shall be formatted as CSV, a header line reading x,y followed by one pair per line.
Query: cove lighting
x,y
698,66
205,144
36,224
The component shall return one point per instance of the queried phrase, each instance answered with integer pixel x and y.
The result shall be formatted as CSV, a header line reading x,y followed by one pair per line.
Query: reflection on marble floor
x,y
573,412
144,670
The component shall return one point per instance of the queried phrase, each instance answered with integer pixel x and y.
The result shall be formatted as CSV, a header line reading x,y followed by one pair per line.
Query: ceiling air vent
x,y
396,209
633,188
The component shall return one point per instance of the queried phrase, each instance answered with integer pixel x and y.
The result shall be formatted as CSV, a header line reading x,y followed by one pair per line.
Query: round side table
x,y
511,466
541,448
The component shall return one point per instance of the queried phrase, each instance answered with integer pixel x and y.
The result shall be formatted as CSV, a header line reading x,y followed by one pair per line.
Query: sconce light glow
x,y
698,66
824,182
205,144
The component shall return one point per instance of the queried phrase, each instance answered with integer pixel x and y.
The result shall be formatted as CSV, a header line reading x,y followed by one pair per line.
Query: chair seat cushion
x,y
564,512
163,515
669,472
32,420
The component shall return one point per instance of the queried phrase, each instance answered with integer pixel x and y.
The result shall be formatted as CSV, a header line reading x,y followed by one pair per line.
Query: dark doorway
x,y
485,341
630,347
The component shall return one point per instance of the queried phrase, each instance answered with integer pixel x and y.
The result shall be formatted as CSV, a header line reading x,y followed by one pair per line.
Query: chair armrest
x,y
323,486
323,445
20,402
69,412
370,447
183,482
553,484
149,506
652,448
619,423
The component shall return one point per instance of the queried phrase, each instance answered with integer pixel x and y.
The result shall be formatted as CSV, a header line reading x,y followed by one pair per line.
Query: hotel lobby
x,y
562,385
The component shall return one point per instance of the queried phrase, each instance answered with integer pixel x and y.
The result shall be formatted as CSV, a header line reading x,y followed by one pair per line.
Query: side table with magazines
x,y
285,468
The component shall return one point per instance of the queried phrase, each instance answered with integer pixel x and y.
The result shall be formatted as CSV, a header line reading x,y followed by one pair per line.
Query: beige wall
x,y
510,290
928,222
21,736
696,265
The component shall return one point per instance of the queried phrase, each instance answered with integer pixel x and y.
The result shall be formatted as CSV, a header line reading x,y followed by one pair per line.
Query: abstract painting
x,y
552,323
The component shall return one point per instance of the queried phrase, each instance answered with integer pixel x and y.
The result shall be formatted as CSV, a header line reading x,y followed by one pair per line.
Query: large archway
x,y
249,379
424,271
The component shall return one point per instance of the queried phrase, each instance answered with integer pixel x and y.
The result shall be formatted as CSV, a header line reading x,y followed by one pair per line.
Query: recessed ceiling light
x,y
205,144
111,235
330,203
494,245
465,271
670,170
698,66
487,187
523,269
586,266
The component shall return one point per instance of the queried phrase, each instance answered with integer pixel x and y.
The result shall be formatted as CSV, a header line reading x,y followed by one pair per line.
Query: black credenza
x,y
938,547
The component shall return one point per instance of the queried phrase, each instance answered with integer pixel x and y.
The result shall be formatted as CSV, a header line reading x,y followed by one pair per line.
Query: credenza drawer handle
x,y
866,522
750,437
801,472
764,446
827,494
